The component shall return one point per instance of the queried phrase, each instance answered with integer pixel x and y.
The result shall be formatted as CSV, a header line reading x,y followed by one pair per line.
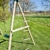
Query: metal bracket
x,y
16,0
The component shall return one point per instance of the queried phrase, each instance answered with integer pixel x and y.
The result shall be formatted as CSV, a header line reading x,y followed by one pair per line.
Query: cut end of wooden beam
x,y
33,43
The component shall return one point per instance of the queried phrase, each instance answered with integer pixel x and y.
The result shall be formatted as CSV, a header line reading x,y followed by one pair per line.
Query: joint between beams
x,y
11,31
16,0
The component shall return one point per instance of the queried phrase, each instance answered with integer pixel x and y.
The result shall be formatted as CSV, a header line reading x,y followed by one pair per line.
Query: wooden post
x,y
10,39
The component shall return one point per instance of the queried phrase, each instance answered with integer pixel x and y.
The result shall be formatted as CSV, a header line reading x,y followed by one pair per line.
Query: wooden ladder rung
x,y
26,39
27,48
28,20
20,28
25,30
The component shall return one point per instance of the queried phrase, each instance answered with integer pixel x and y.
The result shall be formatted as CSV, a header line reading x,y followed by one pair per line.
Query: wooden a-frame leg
x,y
26,23
10,39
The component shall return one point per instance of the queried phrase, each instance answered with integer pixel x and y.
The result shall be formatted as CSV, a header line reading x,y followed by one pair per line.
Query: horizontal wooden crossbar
x,y
20,28
27,39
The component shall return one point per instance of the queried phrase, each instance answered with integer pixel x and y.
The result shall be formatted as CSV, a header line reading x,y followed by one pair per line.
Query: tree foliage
x,y
25,4
28,5
46,4
4,9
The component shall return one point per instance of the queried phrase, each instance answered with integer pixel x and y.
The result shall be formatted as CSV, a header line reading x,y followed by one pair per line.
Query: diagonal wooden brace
x,y
20,29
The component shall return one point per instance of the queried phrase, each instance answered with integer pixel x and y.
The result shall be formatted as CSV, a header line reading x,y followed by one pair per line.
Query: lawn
x,y
40,29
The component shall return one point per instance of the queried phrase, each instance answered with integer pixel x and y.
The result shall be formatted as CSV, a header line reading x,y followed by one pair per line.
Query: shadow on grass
x,y
3,40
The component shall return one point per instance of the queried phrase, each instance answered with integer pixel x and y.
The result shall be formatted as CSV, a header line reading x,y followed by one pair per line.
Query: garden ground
x,y
40,29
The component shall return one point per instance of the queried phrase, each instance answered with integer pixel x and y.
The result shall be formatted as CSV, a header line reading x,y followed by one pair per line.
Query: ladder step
x,y
20,28
27,48
28,20
25,30
27,39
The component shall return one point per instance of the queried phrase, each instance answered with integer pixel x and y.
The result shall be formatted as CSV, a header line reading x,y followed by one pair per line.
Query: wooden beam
x,y
12,22
20,29
26,23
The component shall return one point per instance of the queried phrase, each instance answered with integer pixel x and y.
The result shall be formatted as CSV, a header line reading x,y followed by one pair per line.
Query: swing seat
x,y
6,35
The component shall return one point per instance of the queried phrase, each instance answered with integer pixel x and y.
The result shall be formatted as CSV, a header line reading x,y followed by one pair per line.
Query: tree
x,y
3,9
46,4
25,4
11,3
28,5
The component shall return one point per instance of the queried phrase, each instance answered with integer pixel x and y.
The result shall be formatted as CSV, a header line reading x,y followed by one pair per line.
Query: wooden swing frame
x,y
12,22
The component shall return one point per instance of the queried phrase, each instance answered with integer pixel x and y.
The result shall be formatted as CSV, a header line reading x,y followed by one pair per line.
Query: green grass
x,y
40,31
